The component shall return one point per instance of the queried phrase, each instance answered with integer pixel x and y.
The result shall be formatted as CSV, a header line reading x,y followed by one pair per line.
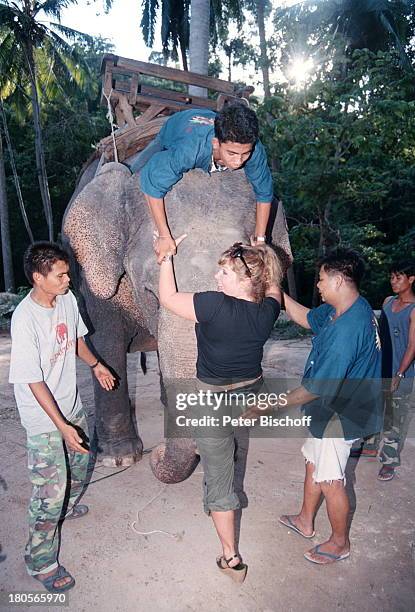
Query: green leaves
x,y
343,154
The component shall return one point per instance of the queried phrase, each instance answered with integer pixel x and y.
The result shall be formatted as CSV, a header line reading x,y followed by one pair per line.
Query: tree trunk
x,y
327,241
15,175
263,47
40,156
183,55
6,246
199,42
292,287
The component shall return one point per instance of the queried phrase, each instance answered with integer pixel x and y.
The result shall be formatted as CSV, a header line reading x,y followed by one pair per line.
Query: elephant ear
x,y
95,227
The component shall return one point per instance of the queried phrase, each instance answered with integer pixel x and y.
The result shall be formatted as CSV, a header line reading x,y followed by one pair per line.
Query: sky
x,y
122,26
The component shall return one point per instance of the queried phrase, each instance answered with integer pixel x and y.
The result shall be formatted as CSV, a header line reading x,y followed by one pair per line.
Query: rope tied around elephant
x,y
110,118
176,536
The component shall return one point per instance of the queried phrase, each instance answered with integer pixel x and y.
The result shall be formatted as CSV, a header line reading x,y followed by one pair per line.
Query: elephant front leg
x,y
118,441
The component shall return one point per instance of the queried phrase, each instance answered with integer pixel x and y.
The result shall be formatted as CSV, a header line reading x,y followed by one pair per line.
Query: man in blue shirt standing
x,y
341,391
201,138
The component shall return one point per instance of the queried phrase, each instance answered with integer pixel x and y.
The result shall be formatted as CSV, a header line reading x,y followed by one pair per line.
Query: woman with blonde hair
x,y
232,326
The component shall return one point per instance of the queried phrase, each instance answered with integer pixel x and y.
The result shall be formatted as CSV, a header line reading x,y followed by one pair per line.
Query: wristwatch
x,y
400,374
259,238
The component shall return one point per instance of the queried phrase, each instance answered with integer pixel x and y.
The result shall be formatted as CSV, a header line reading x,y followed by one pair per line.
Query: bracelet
x,y
167,258
400,374
94,365
259,238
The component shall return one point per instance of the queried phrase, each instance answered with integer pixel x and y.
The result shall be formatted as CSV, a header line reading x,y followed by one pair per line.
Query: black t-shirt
x,y
231,334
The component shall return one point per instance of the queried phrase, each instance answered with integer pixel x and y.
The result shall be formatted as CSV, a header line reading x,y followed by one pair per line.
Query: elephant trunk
x,y
176,459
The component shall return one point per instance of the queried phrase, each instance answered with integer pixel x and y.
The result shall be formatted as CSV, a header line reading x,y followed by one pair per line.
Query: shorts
x,y
329,457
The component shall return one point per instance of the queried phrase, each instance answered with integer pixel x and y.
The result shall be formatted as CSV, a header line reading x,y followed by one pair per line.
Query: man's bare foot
x,y
328,552
297,524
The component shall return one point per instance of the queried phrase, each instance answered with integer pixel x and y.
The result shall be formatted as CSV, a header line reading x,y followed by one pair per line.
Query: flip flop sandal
x,y
363,452
386,473
333,558
49,583
237,572
288,523
77,511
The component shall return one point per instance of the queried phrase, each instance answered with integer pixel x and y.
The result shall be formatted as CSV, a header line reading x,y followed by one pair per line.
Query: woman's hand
x,y
180,239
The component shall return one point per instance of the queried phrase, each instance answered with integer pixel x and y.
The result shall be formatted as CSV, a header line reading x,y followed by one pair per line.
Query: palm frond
x,y
53,8
148,20
71,34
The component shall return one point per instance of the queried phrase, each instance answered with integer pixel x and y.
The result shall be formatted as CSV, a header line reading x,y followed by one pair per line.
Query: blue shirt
x,y
344,370
186,139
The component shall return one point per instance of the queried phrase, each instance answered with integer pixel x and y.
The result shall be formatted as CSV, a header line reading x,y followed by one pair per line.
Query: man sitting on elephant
x,y
201,138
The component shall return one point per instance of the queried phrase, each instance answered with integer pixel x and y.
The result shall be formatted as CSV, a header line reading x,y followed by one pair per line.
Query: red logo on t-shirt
x,y
61,332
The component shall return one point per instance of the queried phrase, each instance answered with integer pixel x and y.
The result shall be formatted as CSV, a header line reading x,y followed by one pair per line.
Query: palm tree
x,y
5,227
260,7
14,169
189,24
28,46
260,10
199,42
174,27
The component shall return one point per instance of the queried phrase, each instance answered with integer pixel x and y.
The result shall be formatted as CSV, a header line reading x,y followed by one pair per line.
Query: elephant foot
x,y
122,461
172,465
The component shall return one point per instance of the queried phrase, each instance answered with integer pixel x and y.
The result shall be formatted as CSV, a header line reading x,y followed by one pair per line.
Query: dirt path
x,y
118,569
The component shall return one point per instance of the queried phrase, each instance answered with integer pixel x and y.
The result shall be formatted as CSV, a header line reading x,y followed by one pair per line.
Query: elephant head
x,y
110,232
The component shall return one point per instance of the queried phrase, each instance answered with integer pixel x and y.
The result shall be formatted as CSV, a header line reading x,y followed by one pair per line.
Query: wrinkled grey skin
x,y
109,230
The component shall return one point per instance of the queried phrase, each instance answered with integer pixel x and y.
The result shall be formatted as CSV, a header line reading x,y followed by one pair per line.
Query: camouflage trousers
x,y
58,477
398,414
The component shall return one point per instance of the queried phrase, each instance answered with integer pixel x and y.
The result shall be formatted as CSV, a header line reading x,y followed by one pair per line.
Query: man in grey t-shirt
x,y
47,334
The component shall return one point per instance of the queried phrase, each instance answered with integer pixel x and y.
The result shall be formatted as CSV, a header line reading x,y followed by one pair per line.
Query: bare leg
x,y
225,526
304,521
338,510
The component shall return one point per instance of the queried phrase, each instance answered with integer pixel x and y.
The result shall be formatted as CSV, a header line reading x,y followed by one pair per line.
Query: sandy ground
x,y
174,569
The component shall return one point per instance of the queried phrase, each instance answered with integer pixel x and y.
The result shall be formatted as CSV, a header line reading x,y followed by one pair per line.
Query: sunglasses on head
x,y
236,252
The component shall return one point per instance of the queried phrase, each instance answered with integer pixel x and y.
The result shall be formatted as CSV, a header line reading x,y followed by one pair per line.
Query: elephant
x,y
109,231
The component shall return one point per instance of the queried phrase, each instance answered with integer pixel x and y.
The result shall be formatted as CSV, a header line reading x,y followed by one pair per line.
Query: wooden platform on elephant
x,y
130,87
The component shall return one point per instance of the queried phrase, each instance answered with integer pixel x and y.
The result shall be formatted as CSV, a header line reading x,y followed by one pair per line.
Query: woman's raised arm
x,y
179,303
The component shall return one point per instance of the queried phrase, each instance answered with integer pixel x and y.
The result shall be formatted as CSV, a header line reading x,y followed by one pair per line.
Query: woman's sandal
x,y
49,582
237,572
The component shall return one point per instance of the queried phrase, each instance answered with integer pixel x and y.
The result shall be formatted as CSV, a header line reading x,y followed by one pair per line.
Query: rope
x,y
176,536
110,118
